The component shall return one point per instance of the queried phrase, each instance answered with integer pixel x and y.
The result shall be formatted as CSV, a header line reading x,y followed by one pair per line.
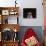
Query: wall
x,y
32,22
27,4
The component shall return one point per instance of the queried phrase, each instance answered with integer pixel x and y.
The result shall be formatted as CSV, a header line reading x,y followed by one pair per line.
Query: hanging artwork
x,y
29,13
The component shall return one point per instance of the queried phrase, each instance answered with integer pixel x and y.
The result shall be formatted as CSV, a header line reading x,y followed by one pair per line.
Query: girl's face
x,y
29,13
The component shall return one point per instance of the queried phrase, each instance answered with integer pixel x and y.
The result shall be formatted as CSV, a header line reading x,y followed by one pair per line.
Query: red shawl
x,y
29,33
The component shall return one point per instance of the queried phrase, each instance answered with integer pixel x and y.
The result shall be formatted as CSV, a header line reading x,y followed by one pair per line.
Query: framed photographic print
x,y
29,13
5,12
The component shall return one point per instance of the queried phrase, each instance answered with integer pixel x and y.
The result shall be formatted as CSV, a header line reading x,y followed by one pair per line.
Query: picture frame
x,y
5,12
29,13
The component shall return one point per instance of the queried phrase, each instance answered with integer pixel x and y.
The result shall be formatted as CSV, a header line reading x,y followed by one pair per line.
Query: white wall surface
x,y
27,4
33,22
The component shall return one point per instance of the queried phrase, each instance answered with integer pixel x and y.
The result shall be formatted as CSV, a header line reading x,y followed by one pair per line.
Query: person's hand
x,y
32,41
28,42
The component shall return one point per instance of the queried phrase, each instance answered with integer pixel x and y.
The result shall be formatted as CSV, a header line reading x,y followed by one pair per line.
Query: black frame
x,y
26,10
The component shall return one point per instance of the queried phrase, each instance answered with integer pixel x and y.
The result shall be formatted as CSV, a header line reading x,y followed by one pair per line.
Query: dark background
x,y
26,10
